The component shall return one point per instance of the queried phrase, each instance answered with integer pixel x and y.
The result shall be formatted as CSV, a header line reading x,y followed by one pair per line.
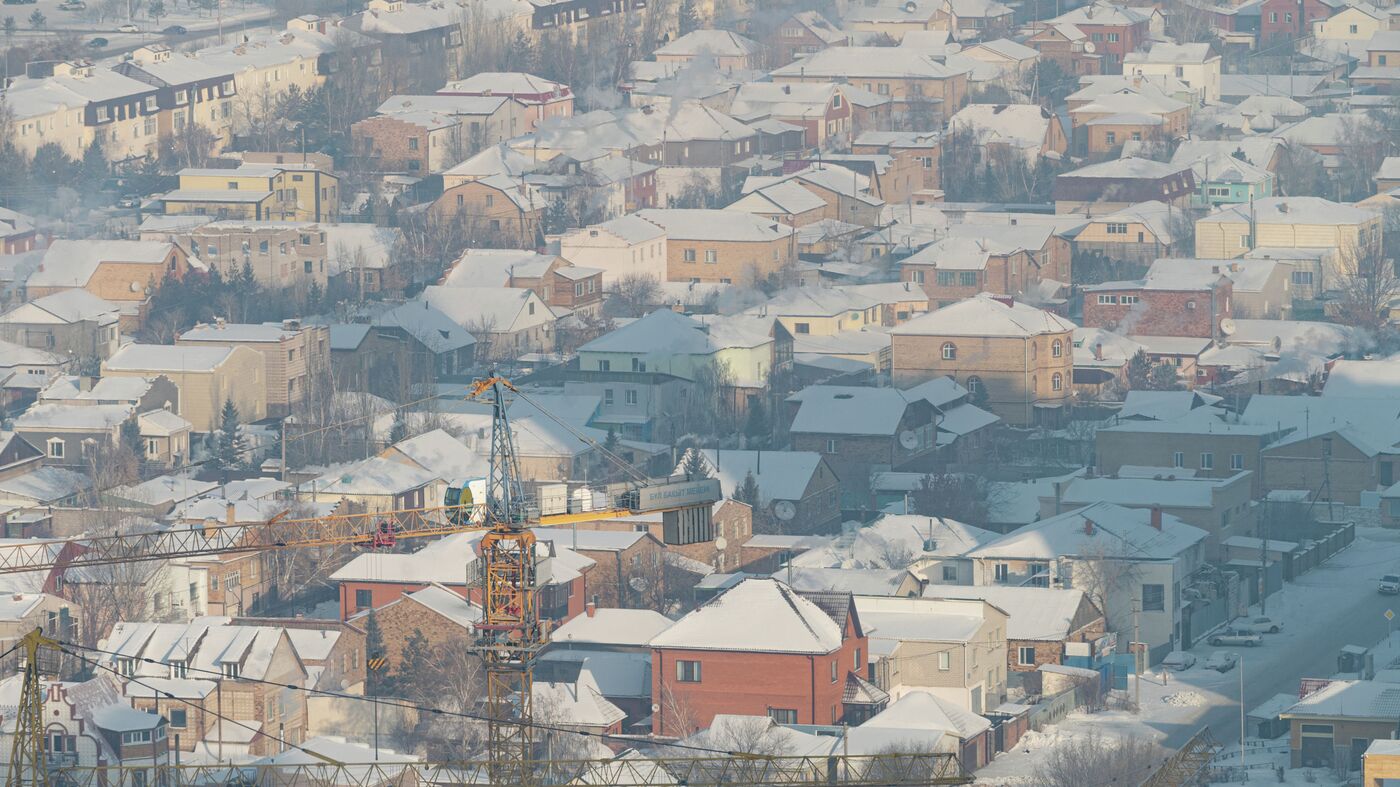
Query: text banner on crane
x,y
678,494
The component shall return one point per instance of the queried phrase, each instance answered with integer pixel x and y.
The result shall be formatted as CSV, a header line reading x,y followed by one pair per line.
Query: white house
x,y
1198,65
626,246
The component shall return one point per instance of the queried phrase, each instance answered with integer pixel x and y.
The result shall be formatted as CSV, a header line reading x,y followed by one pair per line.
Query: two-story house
x,y
292,354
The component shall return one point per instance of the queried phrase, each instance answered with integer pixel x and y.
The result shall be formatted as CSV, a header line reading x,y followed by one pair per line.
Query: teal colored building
x,y
1226,180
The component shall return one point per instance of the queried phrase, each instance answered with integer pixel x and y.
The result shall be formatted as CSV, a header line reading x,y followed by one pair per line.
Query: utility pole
x,y
1242,712
1137,657
1264,561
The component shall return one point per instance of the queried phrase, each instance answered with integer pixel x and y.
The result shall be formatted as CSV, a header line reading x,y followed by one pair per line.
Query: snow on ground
x,y
1171,701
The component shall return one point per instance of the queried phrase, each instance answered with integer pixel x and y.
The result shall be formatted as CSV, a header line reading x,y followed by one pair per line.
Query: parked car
x,y
1178,660
1234,636
128,28
97,43
1259,625
1390,584
1221,661
175,30
72,5
129,201
20,2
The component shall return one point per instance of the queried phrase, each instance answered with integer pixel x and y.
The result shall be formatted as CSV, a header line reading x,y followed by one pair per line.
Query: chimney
x,y
590,609
1156,517
1088,526
1098,351
1004,300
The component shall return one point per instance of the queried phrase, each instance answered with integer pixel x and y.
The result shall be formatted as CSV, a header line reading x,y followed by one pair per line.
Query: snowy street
x,y
1333,605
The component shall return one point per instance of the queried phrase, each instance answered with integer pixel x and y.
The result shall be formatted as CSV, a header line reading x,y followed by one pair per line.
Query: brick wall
x,y
735,261
1160,312
385,142
1016,373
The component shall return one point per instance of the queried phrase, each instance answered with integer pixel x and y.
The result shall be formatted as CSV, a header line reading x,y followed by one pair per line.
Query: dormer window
x,y
179,669
182,96
231,670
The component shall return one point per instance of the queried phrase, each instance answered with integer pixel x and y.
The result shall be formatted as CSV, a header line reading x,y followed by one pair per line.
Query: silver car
x,y
1261,624
1234,636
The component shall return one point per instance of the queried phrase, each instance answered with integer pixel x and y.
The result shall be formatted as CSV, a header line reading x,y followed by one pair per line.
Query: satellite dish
x,y
721,542
1089,47
135,287
655,708
638,584
784,510
1227,326
909,439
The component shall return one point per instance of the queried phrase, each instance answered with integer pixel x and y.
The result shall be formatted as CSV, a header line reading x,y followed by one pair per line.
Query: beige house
x,y
914,80
626,246
206,376
722,246
1291,223
506,321
292,354
114,270
166,438
954,649
1018,356
1197,65
1353,23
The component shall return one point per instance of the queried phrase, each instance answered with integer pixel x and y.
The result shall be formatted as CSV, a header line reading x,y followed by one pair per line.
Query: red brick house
x,y
802,34
1184,304
1114,30
759,649
1282,20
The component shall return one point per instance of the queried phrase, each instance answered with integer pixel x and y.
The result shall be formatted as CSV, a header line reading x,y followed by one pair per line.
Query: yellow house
x,y
821,311
261,192
81,102
1352,23
206,376
1292,223
265,66
1380,765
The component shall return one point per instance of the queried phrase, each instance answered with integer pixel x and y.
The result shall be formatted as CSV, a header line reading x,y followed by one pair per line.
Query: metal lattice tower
x,y
511,635
28,762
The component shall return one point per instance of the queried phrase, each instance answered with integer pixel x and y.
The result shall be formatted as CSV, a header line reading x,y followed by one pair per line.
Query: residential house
x,y
543,99
206,376
921,150
799,660
1292,223
1137,234
407,31
288,254
1103,121
189,91
410,143
1068,46
1173,302
1114,30
1260,289
23,613
418,337
1113,185
615,646
954,649
77,103
1015,355
71,436
496,208
846,193
822,109
374,579
1228,180
561,284
722,245
975,20
728,51
72,323
821,311
1193,440
1334,726
629,570
121,271
1198,65
802,34
919,713
17,232
1349,23
1042,625
1380,762
292,354
289,191
1287,20
1076,548
1024,129
438,614
981,258
505,321
202,673
1222,507
796,488
920,86
622,247
91,725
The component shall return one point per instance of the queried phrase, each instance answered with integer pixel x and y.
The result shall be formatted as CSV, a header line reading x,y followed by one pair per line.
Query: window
x,y
1190,305
802,327
126,667
947,278
855,661
1025,656
630,397
1116,227
688,671
56,447
711,256
1057,382
1303,277
950,351
1288,18
139,736
490,200
179,669
413,143
834,668
783,715
688,255
607,396
231,669
1178,459
1244,241
1108,300
1154,598
1000,571
831,446
638,365
1381,58
364,599
1236,461
917,277
605,366
950,573
1273,16
1110,138
1351,28
945,661
968,278
974,384
1207,460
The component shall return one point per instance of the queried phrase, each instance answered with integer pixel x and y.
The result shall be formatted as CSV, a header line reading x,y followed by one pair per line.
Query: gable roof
x,y
71,263
1033,613
984,315
832,409
68,306
780,475
761,615
1116,531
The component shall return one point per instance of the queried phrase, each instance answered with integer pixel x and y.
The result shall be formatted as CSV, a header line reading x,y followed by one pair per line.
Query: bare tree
x,y
632,295
1096,758
1108,575
1366,285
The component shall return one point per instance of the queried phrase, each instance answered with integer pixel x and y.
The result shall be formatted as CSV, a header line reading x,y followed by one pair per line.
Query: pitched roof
x,y
1115,531
1033,613
832,409
167,358
780,475
719,43
984,315
761,615
846,62
716,225
68,306
71,263
606,626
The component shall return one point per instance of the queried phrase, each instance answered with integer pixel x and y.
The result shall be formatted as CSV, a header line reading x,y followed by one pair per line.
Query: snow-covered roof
x,y
44,485
579,703
856,62
834,409
714,225
1176,54
1292,210
890,621
607,626
67,306
426,323
1034,613
718,43
516,84
1164,405
1115,531
1130,167
860,581
447,604
71,263
897,534
780,475
985,315
167,358
441,453
1139,492
1350,699
760,615
375,476
922,710
1026,125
